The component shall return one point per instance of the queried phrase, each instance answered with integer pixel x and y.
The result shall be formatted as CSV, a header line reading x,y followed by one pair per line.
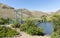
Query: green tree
x,y
56,25
44,18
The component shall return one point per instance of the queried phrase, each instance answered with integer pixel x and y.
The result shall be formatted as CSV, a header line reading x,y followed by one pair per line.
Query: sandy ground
x,y
24,35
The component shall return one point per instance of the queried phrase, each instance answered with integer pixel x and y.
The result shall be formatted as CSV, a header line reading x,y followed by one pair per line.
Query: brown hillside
x,y
9,12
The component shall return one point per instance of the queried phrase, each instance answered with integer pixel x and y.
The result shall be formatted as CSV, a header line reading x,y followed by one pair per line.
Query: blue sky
x,y
40,5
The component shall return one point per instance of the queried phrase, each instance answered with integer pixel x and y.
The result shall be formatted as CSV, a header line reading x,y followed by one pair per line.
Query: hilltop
x,y
10,12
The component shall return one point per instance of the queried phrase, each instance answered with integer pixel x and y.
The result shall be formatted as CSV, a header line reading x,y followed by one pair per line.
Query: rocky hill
x,y
9,12
6,11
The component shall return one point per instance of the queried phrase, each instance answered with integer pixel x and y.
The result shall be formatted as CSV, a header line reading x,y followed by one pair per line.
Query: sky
x,y
40,5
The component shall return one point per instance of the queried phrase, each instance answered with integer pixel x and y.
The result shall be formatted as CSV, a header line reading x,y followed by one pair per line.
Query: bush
x,y
35,31
16,25
4,21
56,24
7,32
55,35
32,29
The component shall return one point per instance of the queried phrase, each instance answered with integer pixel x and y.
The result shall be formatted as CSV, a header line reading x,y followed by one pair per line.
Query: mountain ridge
x,y
10,12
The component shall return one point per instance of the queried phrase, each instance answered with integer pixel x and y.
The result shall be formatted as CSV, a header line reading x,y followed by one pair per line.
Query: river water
x,y
47,26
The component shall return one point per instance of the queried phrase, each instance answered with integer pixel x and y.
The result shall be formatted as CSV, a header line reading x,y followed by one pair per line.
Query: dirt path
x,y
24,35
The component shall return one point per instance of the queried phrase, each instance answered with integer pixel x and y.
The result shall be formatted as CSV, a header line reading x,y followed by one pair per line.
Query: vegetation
x,y
7,32
4,21
44,18
16,25
56,23
30,28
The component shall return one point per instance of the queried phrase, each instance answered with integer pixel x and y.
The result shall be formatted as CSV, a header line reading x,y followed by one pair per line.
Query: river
x,y
47,26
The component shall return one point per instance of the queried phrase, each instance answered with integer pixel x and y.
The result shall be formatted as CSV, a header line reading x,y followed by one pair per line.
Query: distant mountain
x,y
53,13
57,12
38,14
3,6
6,11
9,12
25,12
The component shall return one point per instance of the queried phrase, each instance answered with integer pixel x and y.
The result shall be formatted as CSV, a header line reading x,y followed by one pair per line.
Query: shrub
x,y
56,24
32,29
4,21
16,25
7,32
55,35
35,31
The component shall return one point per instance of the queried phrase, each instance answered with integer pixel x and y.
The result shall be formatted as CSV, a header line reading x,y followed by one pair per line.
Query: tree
x,y
44,19
56,23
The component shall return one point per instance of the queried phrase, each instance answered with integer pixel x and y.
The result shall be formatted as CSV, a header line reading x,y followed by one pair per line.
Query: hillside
x,y
6,11
9,12
38,14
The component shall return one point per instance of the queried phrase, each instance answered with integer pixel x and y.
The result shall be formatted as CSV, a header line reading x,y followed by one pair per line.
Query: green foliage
x,y
30,28
55,35
44,18
7,32
16,25
35,31
56,23
4,21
